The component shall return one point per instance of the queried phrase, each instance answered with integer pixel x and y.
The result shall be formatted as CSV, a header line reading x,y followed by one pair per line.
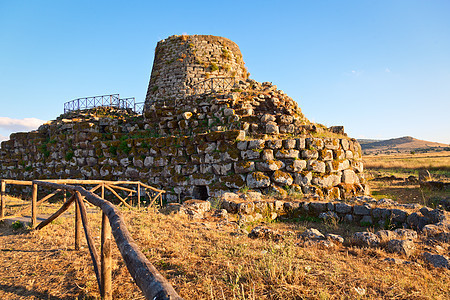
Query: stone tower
x,y
183,61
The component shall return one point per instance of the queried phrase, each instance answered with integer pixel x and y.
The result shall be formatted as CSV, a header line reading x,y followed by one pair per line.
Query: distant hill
x,y
400,145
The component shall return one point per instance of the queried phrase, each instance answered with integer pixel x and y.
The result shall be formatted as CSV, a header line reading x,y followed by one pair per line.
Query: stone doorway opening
x,y
200,192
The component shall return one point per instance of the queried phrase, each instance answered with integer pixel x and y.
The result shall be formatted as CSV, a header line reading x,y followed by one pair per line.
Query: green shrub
x,y
17,225
69,155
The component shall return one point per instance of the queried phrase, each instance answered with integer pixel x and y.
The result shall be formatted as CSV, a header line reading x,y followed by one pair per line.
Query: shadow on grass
x,y
23,292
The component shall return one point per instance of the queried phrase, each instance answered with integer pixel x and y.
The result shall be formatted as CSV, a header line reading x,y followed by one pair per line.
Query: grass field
x,y
211,259
401,166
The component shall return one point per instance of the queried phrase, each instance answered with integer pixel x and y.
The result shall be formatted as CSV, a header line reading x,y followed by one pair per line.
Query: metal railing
x,y
112,100
213,85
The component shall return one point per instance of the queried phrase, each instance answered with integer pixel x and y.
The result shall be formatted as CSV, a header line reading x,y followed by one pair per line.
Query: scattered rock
x,y
436,260
335,238
312,234
399,261
386,202
416,220
221,213
404,247
424,175
406,233
329,216
265,232
386,235
252,196
365,239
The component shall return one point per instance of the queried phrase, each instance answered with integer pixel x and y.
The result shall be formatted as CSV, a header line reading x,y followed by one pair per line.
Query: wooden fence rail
x,y
153,285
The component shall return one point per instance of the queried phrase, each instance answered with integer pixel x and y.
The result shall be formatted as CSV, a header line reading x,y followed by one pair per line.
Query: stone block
x,y
316,166
297,165
257,180
289,154
282,178
289,144
343,208
250,154
270,165
362,210
310,154
244,167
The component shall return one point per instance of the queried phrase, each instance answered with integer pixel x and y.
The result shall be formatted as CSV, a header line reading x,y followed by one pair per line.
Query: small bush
x,y
69,155
17,225
213,67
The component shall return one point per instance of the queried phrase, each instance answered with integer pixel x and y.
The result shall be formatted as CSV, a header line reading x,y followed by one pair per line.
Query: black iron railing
x,y
112,100
213,85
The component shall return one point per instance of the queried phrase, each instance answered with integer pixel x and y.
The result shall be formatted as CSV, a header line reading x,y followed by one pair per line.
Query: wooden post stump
x,y
77,226
34,206
106,259
3,199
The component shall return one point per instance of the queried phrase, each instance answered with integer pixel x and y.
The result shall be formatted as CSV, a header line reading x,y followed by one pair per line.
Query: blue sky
x,y
380,68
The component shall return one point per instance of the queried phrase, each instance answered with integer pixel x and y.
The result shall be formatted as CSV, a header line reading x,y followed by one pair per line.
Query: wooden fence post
x,y
89,240
139,196
77,226
106,290
34,206
3,199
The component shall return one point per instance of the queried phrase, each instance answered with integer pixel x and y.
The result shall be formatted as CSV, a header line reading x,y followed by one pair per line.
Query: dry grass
x,y
208,259
402,166
436,162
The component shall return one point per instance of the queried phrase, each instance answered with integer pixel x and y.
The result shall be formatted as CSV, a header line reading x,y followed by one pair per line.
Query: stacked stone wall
x,y
197,166
183,61
195,146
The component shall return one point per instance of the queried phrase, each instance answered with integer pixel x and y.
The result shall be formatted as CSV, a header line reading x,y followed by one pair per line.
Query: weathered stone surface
x,y
312,234
365,239
386,235
282,178
265,232
310,154
335,238
329,216
343,208
362,210
436,260
424,175
366,221
316,166
297,165
317,207
406,233
270,165
246,208
244,166
272,128
350,177
291,153
398,215
405,247
416,221
303,179
257,180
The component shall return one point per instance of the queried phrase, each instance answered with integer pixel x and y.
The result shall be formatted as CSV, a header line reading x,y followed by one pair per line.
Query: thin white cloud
x,y
20,124
356,73
387,70
3,138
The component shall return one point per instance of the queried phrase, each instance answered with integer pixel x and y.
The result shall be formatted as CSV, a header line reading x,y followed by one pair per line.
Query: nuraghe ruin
x,y
207,129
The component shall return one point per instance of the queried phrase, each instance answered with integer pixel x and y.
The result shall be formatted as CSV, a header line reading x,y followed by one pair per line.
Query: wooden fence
x,y
153,285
